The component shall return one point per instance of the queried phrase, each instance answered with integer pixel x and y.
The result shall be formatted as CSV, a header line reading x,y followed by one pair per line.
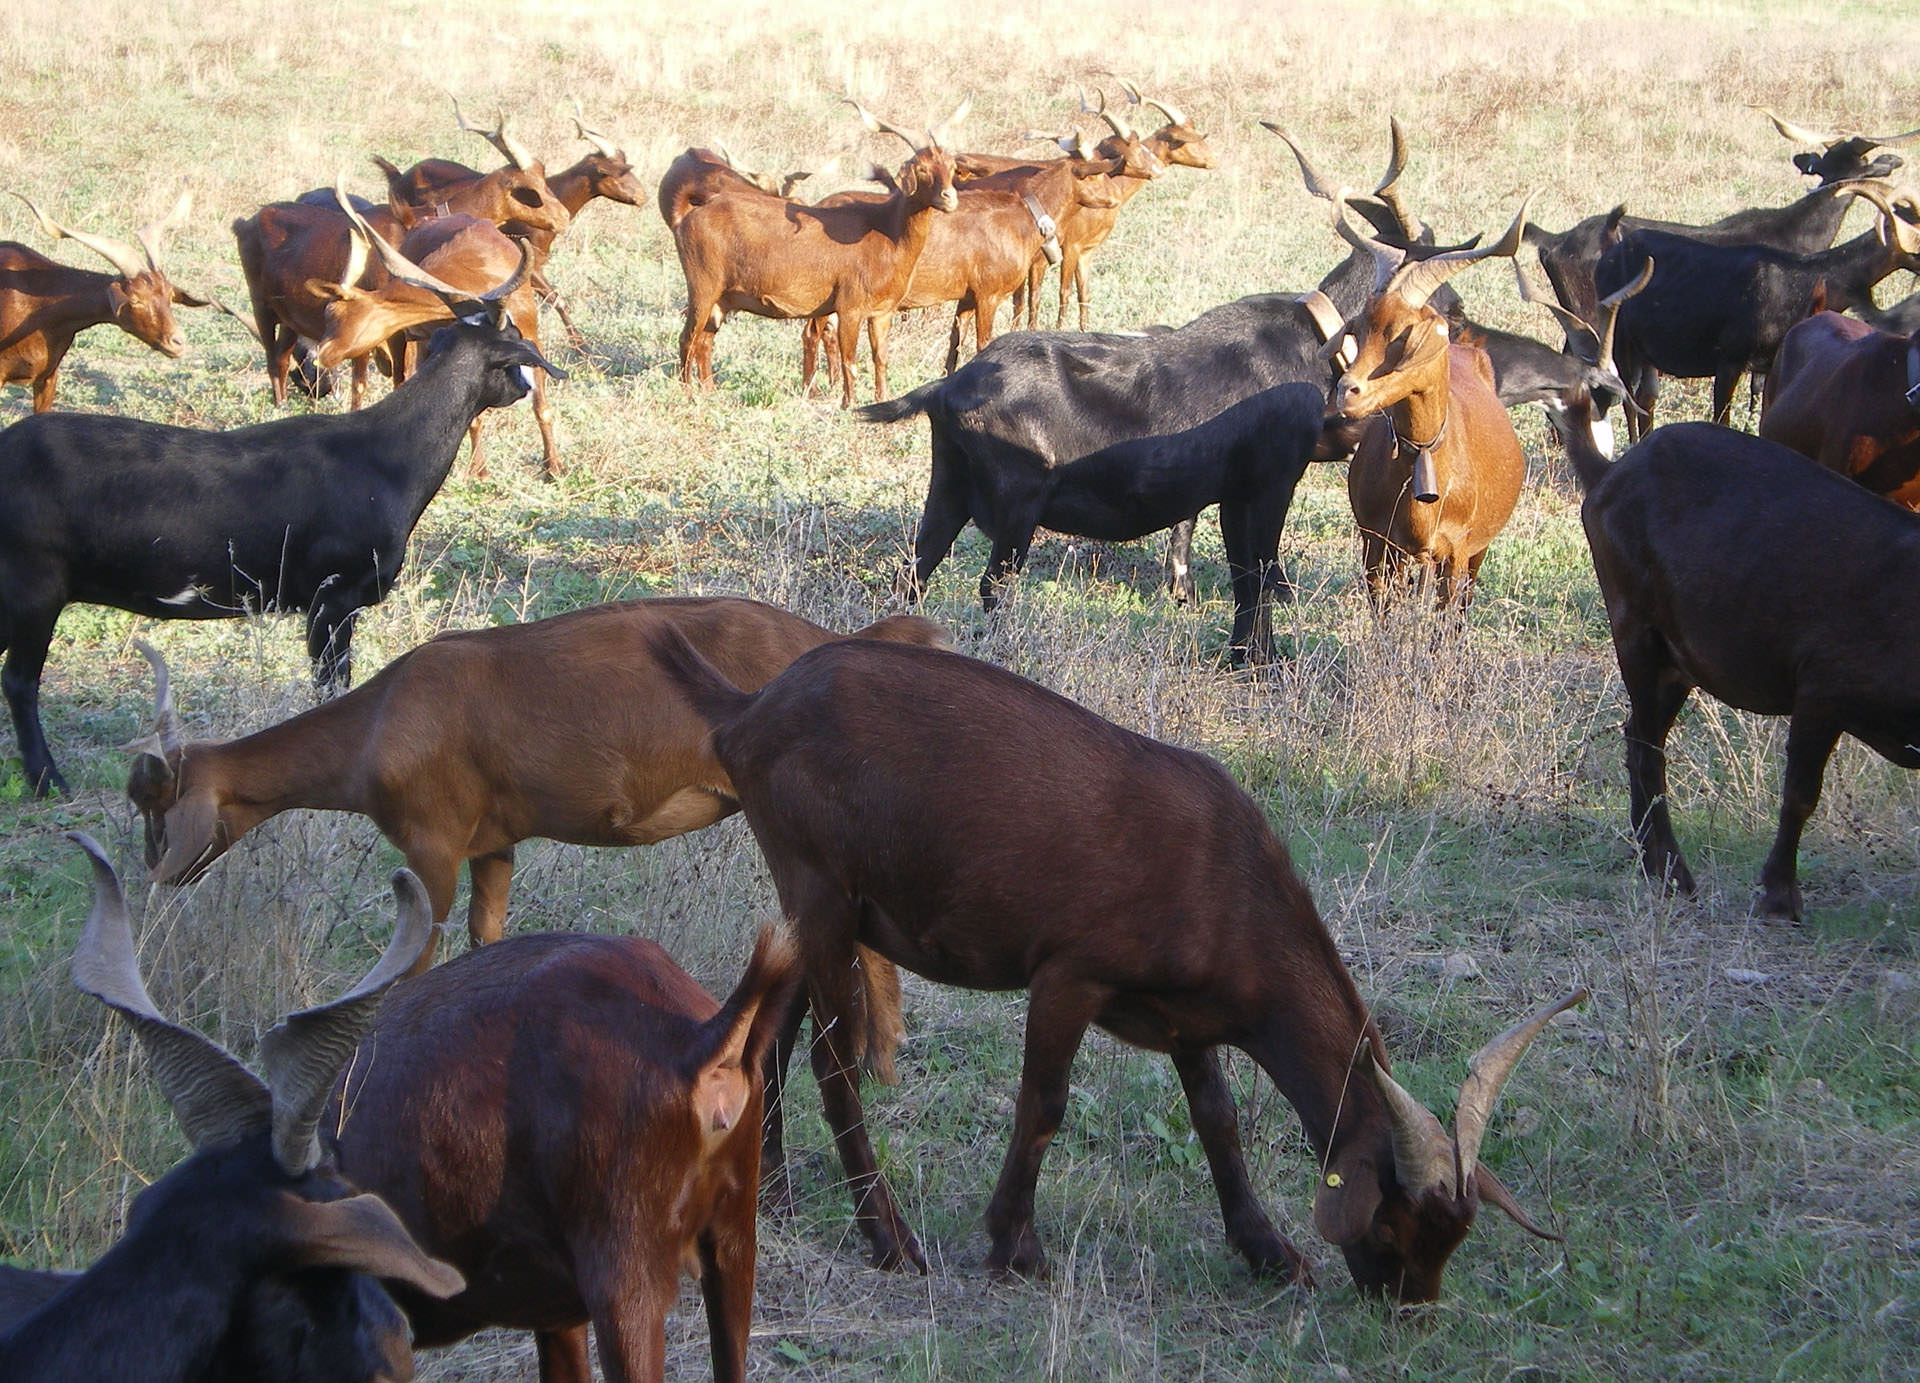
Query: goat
x,y
1060,396
45,304
254,1258
572,1122
1687,529
850,766
775,258
606,172
1800,227
1902,319
698,175
463,747
1247,459
1722,310
517,194
309,513
1848,396
1438,502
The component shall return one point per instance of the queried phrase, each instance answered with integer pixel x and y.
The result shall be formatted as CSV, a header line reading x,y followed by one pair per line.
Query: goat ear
x,y
330,291
151,783
1348,1199
182,298
116,296
195,837
363,1235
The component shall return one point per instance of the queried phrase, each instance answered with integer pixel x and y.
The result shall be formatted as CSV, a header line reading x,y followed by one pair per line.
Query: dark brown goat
x,y
774,258
1137,887
565,728
45,304
1848,396
573,1122
1688,531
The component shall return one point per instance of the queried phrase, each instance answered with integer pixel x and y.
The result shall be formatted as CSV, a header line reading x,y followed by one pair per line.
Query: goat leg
x,y
726,1285
1810,742
490,876
1216,1122
777,1188
1180,562
26,644
1059,1011
563,1355
1655,692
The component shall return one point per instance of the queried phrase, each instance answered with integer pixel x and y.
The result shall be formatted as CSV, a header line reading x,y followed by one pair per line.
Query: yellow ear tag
x,y
1333,1179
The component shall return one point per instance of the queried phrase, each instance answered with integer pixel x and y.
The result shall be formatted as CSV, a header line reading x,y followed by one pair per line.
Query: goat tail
x,y
740,1035
906,629
714,698
879,1027
899,409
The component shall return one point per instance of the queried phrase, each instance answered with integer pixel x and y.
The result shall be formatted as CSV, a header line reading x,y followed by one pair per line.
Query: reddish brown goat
x,y
565,728
606,172
1848,395
1137,888
1440,501
517,193
697,176
45,304
775,258
573,1122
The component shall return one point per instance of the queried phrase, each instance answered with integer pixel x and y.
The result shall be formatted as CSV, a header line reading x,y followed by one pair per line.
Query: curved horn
x,y
1422,1152
938,134
1387,260
1316,184
407,272
1799,134
153,235
1119,126
1419,281
1132,91
1610,313
1572,323
878,126
1174,117
217,1100
604,146
118,253
166,720
1389,190
1488,1072
304,1052
1891,138
515,152
1906,238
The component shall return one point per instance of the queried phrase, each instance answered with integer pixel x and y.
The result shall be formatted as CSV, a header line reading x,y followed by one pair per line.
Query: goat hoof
x,y
900,1255
1275,1259
1779,903
1024,1259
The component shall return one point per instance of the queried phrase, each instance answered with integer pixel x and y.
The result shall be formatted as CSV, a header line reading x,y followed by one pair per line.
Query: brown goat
x,y
698,175
1732,564
517,193
1441,501
45,304
573,1122
775,258
565,728
1137,887
1848,395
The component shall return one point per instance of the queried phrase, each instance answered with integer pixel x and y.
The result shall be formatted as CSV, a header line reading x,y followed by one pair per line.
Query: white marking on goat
x,y
188,594
526,377
1602,431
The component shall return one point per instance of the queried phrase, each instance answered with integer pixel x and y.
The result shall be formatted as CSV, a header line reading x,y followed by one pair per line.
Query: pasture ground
x,y
1728,1136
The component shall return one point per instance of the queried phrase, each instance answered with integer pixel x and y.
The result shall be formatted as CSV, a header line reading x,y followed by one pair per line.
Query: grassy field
x,y
1728,1136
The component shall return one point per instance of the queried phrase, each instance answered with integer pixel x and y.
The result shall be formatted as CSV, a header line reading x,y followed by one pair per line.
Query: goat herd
x,y
547,1131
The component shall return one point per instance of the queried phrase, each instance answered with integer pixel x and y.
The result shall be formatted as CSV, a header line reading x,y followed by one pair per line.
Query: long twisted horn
x,y
1387,259
166,720
876,125
516,153
217,1100
118,253
153,235
1174,117
939,133
1422,1152
1419,281
1572,323
1799,134
604,146
1119,126
304,1052
1906,238
407,272
1487,1072
1610,313
1316,185
1389,189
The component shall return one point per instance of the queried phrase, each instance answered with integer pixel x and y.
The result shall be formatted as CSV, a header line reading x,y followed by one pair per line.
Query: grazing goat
x,y
1723,310
310,513
565,728
1247,459
1138,888
775,258
1801,227
1441,501
1688,530
45,304
253,1259
1848,396
573,1122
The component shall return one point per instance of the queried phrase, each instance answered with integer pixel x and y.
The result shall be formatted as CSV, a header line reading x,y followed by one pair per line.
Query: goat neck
x,y
596,175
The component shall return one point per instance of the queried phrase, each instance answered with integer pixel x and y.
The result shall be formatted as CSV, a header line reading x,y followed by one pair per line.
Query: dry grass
x,y
1732,1159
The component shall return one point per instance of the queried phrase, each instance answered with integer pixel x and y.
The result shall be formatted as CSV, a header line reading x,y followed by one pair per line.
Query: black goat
x,y
252,1259
1902,319
1049,398
1732,564
1247,459
310,513
1722,310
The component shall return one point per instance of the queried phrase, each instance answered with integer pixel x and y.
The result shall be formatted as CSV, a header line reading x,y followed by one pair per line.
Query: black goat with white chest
x,y
1247,458
310,513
